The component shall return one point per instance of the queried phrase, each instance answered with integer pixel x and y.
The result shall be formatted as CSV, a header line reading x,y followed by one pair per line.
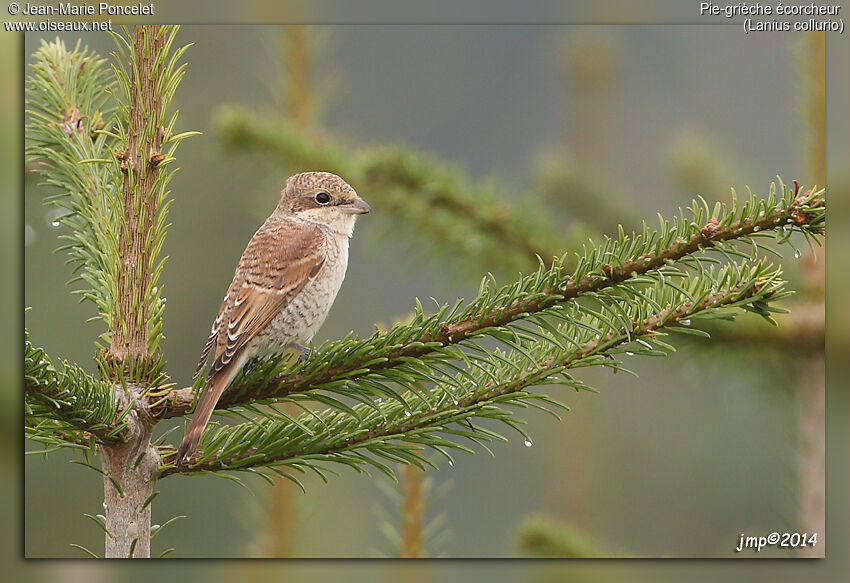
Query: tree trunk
x,y
129,468
128,481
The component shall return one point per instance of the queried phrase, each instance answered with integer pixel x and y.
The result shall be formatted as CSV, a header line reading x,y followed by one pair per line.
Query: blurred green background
x,y
676,463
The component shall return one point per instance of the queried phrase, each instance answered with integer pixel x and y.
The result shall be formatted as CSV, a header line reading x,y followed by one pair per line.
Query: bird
x,y
283,288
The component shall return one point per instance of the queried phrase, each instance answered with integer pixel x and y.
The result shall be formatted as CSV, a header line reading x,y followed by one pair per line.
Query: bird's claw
x,y
303,353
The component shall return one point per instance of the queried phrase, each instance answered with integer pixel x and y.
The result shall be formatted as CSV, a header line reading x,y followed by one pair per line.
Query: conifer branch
x,y
599,269
68,406
69,117
360,436
470,219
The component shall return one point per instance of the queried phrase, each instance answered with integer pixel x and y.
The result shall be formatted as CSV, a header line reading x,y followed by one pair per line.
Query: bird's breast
x,y
299,321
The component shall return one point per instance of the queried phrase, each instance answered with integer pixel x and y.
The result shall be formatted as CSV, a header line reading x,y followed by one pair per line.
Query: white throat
x,y
343,224
338,223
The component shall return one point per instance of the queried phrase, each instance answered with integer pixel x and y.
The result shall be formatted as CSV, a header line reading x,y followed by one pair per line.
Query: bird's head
x,y
322,198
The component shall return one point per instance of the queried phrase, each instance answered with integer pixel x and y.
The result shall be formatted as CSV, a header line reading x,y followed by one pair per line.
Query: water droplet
x,y
454,401
797,253
52,216
527,443
451,462
686,322
628,353
407,413
644,343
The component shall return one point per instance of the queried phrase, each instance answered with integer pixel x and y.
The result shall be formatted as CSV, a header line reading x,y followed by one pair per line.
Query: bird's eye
x,y
323,198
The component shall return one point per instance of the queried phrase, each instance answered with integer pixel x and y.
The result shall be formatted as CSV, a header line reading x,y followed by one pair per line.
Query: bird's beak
x,y
356,207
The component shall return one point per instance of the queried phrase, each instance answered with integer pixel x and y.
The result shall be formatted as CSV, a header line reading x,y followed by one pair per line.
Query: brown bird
x,y
284,285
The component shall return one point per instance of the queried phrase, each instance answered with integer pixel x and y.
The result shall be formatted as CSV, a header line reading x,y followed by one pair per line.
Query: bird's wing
x,y
213,336
278,262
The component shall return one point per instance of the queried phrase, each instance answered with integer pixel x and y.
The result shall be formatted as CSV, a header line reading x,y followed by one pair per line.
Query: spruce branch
x,y
470,218
68,406
369,434
599,269
69,115
104,140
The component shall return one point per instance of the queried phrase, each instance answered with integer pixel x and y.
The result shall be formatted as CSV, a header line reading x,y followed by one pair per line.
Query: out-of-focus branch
x,y
562,186
541,536
412,511
810,386
297,76
466,219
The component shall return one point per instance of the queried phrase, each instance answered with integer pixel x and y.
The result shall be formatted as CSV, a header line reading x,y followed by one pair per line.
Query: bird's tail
x,y
203,411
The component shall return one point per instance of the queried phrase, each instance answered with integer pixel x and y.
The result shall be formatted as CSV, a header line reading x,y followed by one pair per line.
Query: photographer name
x,y
101,9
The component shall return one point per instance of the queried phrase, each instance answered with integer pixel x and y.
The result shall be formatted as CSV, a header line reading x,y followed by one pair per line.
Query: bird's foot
x,y
303,352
